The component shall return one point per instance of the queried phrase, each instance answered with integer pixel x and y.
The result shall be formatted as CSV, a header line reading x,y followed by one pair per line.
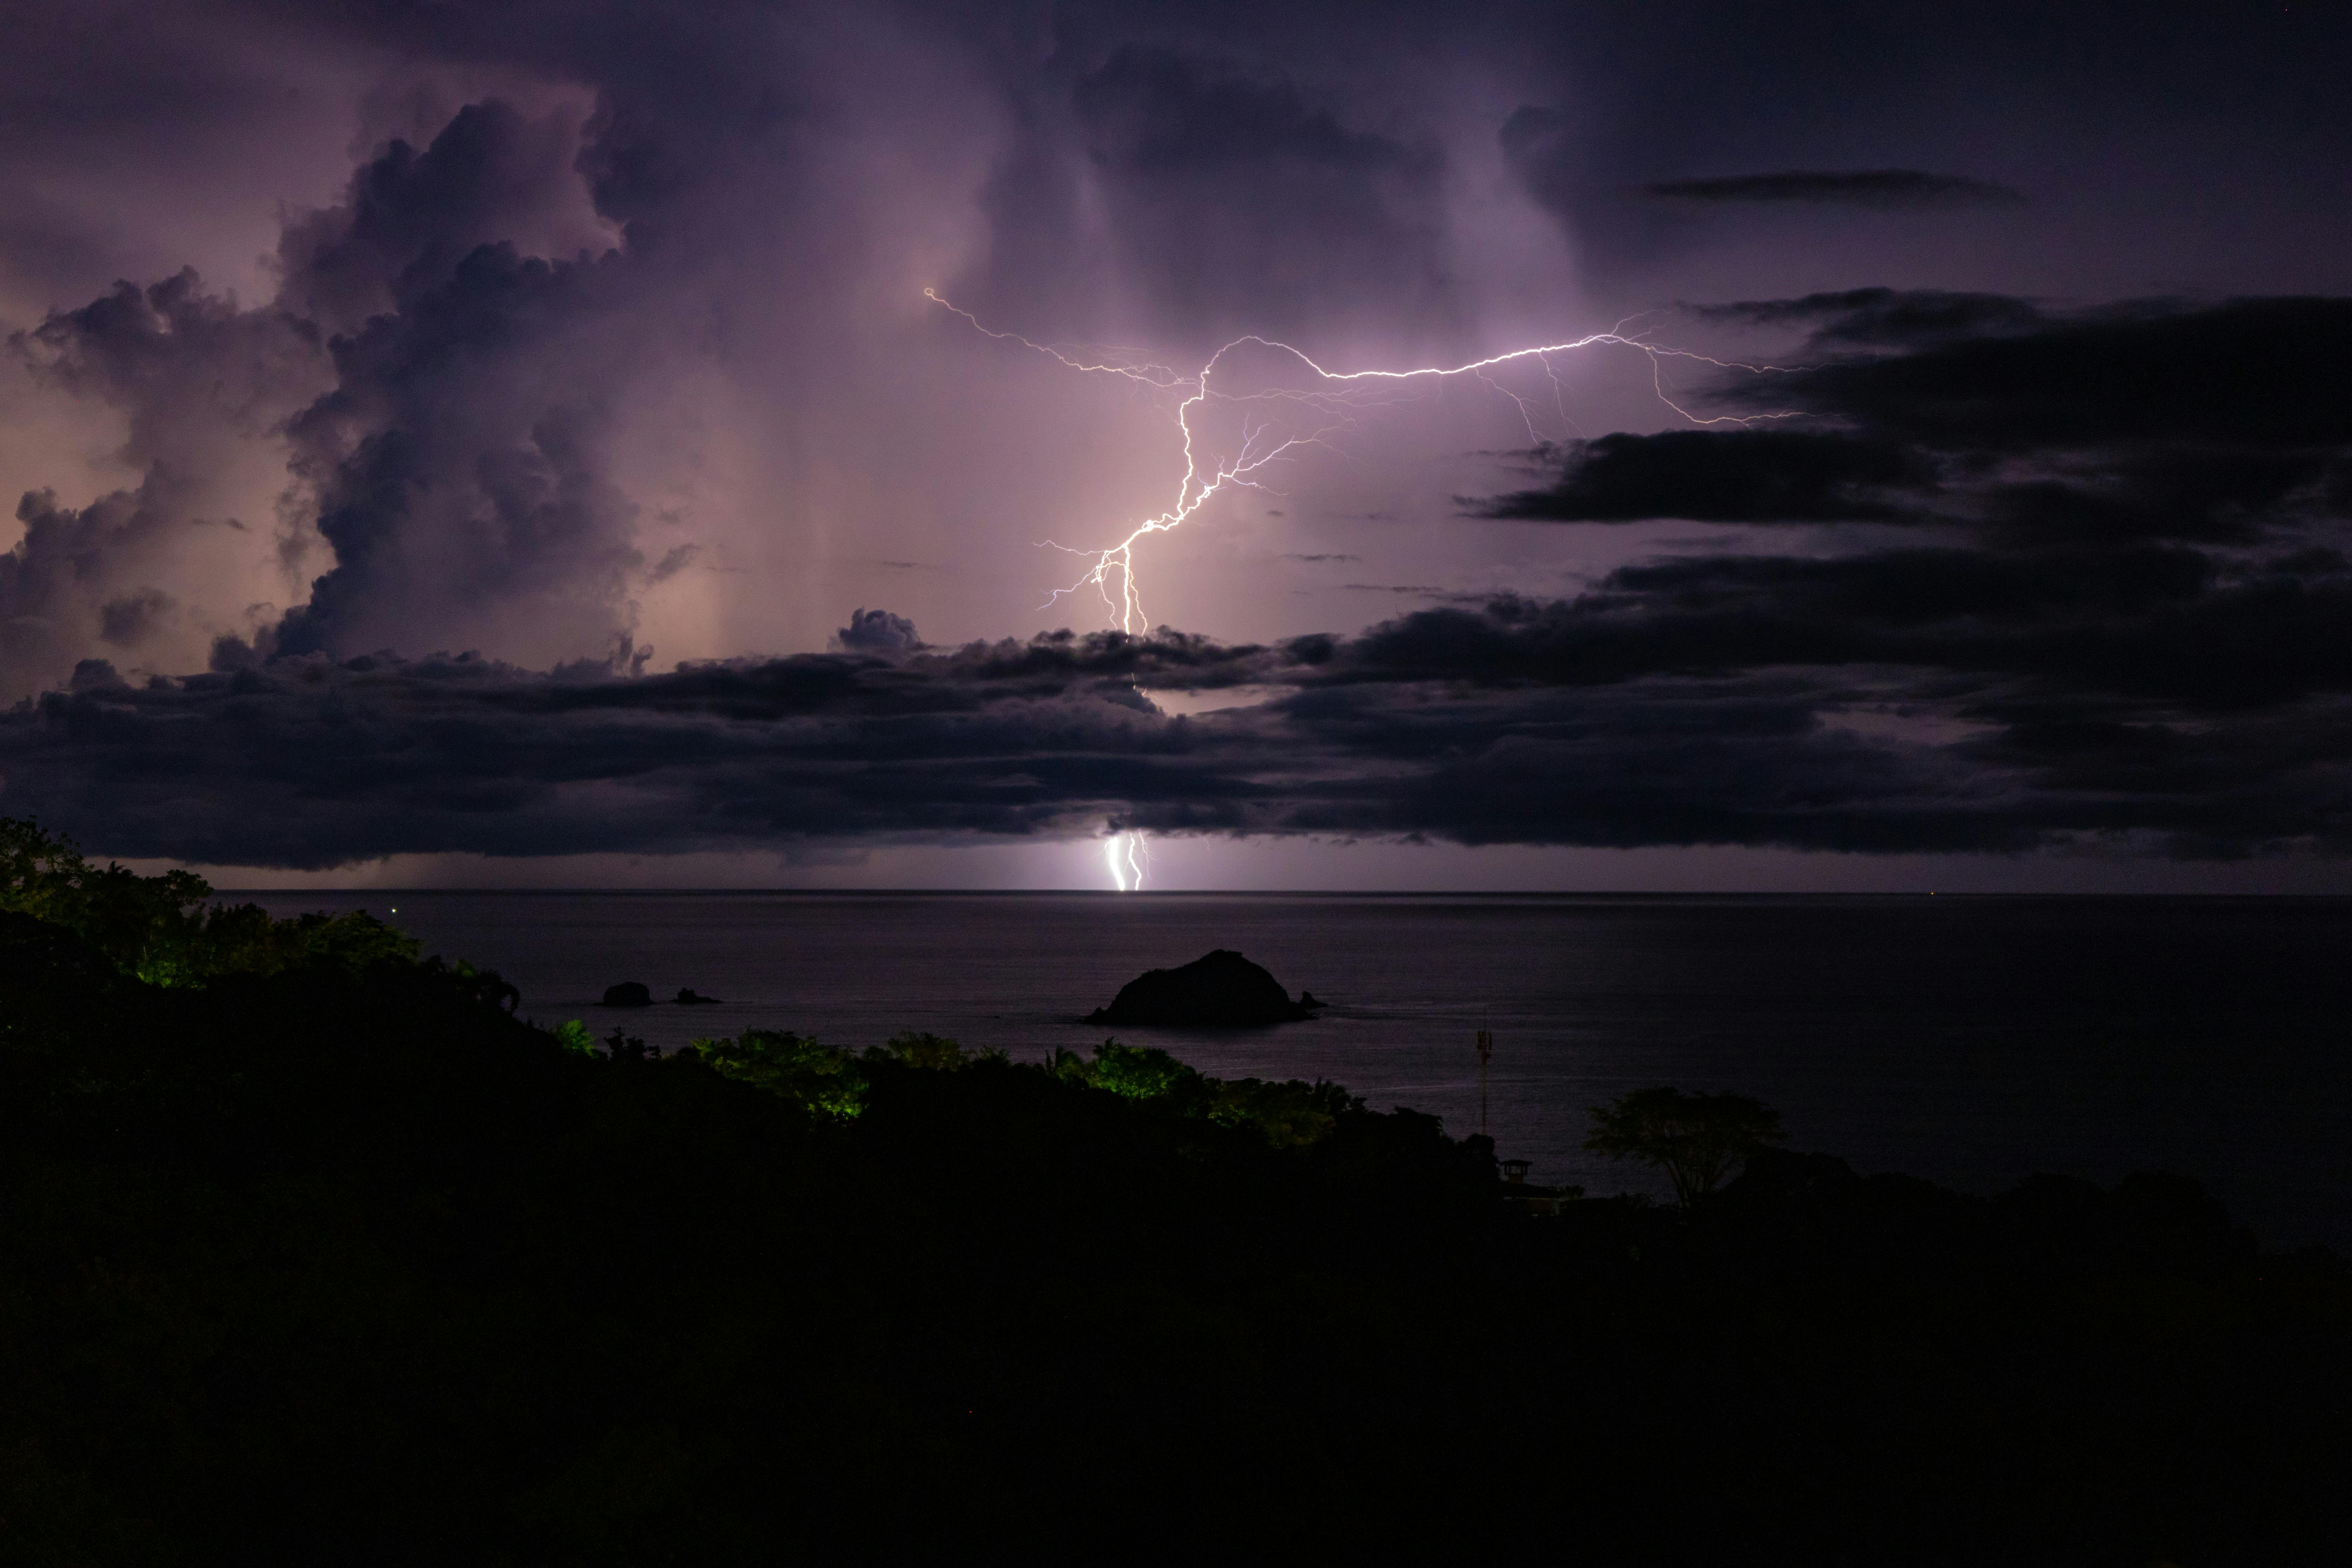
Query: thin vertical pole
x,y
1485,1050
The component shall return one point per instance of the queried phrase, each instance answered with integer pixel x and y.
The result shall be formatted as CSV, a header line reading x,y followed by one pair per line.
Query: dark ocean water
x,y
1972,1041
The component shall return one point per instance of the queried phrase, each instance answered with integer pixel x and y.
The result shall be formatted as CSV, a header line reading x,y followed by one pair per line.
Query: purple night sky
x,y
510,444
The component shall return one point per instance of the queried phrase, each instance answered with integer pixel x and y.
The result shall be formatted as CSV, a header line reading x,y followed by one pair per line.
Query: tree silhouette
x,y
1696,1138
160,928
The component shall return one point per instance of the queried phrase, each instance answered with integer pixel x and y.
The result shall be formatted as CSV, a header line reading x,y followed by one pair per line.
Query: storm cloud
x,y
1742,476
2226,424
2117,626
584,326
1897,702
1883,188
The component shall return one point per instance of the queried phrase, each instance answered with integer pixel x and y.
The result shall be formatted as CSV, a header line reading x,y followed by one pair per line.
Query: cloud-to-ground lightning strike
x,y
1129,858
1336,395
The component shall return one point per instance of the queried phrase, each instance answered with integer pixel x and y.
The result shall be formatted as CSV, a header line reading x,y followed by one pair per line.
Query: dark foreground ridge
x,y
1220,990
312,1251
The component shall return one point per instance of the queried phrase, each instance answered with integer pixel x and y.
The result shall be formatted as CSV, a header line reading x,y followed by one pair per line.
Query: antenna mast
x,y
1485,1052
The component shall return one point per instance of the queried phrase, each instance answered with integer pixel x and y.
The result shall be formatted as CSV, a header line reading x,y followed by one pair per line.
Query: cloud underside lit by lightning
x,y
1334,398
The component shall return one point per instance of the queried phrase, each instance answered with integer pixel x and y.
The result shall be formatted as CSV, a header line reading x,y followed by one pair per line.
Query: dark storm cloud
x,y
1888,317
1160,112
2133,616
460,461
2131,126
2164,460
1643,714
464,336
130,620
2124,626
1222,196
412,214
878,631
2221,424
2258,374
2084,573
1743,476
360,758
501,288
443,397
1880,188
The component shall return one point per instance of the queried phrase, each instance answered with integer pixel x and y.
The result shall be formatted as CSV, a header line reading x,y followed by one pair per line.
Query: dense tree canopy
x,y
161,929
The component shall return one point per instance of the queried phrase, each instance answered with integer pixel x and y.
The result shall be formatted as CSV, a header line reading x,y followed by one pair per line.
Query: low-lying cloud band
x,y
1640,714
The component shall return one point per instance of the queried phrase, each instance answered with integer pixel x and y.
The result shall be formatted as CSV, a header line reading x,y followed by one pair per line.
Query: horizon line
x,y
1279,892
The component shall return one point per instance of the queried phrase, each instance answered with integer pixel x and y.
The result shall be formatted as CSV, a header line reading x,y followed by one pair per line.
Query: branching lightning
x,y
1333,395
1333,398
1129,858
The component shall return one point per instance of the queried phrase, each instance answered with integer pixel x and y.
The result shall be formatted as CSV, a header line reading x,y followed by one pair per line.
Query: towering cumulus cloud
x,y
201,387
460,464
433,402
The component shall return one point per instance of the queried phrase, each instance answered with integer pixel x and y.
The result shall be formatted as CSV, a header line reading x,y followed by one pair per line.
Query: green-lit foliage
x,y
159,928
573,1036
356,939
1149,1073
931,1053
152,927
1290,1113
40,876
1696,1138
1287,1114
826,1081
243,939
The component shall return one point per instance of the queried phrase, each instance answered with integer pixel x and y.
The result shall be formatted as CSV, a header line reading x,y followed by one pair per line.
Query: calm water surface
x,y
1972,1041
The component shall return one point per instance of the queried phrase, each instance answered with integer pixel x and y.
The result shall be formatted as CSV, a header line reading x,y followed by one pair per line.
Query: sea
x,y
1972,1041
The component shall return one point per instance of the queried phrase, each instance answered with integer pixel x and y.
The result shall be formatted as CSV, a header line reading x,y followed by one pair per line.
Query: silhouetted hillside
x,y
350,1264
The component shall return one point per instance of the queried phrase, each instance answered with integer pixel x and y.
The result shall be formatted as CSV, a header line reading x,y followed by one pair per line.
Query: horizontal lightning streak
x,y
1347,391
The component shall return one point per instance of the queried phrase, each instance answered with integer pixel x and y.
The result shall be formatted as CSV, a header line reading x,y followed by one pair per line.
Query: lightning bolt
x,y
1129,858
1335,395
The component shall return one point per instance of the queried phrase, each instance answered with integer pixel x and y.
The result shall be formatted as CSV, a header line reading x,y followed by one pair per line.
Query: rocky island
x,y
1220,990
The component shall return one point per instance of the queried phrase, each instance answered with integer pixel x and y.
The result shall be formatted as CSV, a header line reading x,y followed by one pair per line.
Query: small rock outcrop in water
x,y
689,998
628,993
1225,988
